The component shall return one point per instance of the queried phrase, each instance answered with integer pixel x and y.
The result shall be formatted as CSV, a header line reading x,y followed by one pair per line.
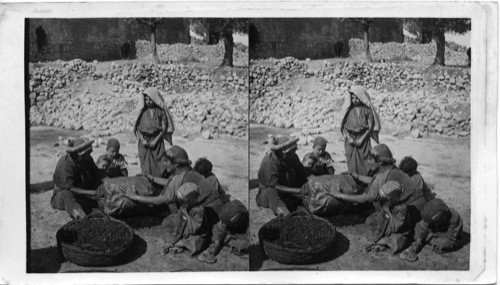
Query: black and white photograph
x,y
249,142
138,142
360,143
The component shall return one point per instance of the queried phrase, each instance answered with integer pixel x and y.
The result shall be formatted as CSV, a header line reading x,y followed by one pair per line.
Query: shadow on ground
x,y
138,249
50,259
253,183
41,187
45,260
464,240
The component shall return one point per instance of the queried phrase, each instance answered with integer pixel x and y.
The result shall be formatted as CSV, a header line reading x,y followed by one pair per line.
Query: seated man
x,y
76,178
440,227
231,230
281,175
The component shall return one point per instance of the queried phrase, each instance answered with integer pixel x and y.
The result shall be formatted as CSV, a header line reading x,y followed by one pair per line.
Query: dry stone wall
x,y
74,95
411,100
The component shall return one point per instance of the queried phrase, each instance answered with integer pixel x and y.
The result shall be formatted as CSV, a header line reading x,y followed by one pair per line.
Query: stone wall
x,y
314,38
95,39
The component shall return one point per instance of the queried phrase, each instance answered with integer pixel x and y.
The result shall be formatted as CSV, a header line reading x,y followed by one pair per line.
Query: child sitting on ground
x,y
231,231
409,166
322,157
103,163
440,226
204,167
118,165
390,226
309,161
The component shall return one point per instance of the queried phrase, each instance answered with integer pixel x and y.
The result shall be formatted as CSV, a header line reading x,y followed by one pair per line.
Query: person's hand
x,y
184,211
334,191
153,143
387,211
149,177
350,141
353,174
358,143
145,144
130,196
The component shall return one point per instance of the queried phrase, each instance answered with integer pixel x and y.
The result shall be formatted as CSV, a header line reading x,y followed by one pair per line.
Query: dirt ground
x,y
445,166
229,158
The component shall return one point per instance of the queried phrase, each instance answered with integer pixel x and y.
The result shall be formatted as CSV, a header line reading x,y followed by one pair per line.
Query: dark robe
x,y
356,125
275,171
150,125
68,174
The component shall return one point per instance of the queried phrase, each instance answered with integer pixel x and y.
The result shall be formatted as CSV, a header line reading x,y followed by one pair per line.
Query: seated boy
x,y
440,227
231,230
118,165
390,226
103,163
322,157
204,167
409,166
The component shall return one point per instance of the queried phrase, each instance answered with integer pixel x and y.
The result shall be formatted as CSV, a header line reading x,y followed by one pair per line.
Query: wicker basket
x,y
85,257
288,255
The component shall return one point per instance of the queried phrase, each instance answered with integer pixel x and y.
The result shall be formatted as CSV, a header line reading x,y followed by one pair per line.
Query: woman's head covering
x,y
364,97
156,97
382,153
285,144
432,209
80,146
113,143
179,154
321,141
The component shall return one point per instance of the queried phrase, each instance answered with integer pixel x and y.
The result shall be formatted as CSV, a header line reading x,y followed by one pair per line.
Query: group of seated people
x,y
202,218
407,215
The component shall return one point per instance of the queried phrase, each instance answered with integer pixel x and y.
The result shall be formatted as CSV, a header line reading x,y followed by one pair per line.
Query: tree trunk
x,y
366,36
227,37
154,52
438,36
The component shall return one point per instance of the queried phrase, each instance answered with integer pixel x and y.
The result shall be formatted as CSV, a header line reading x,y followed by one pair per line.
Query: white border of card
x,y
484,197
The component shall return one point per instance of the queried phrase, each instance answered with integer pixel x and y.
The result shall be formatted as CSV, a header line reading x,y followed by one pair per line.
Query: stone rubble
x,y
67,95
410,100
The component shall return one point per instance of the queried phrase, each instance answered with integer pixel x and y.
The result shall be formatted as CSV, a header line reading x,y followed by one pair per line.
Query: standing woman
x,y
360,121
153,125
